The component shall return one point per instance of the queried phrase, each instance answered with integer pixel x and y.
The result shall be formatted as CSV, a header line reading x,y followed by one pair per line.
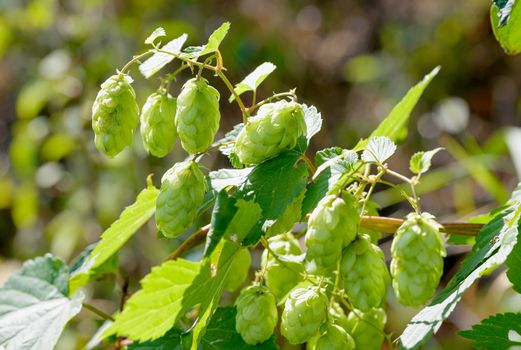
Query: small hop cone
x,y
157,123
364,274
367,328
305,311
182,192
256,314
331,226
334,338
276,128
280,278
338,315
239,269
417,264
115,115
197,116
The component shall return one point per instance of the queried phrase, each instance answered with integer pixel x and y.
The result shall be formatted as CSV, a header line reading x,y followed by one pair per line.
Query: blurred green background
x,y
352,59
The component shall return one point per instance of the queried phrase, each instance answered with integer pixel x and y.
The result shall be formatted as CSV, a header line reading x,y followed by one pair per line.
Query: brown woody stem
x,y
377,223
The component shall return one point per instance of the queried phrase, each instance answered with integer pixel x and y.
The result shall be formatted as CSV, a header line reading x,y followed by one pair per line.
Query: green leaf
x,y
313,120
34,307
504,10
274,184
395,125
254,79
326,154
493,245
327,176
498,332
157,33
130,220
378,150
173,339
221,334
223,178
231,218
421,161
506,25
161,301
169,292
513,264
160,59
214,41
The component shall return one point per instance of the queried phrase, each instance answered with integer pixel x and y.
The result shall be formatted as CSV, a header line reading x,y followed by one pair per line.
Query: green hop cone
x,y
338,315
182,192
367,328
334,338
305,310
157,123
256,314
239,269
331,226
275,128
417,264
115,115
197,117
281,278
364,274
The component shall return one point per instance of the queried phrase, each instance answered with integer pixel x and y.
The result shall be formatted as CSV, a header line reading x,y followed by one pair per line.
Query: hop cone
x,y
417,263
367,328
304,313
239,269
275,128
334,338
331,226
256,314
280,278
157,123
181,194
338,315
115,115
197,117
364,274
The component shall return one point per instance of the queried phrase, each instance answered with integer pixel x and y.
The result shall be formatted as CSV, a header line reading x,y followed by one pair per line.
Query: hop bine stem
x,y
378,223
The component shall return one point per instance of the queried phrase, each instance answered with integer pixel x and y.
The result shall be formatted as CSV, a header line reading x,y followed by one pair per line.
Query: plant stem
x,y
135,59
229,85
309,163
266,100
98,312
378,223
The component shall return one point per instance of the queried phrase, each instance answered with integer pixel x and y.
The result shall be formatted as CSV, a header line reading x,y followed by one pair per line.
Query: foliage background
x,y
352,59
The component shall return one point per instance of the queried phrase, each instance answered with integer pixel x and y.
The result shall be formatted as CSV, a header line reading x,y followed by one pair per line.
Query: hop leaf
x,y
421,161
115,115
332,226
197,118
254,79
157,123
275,128
256,314
378,150
417,263
182,192
304,313
364,274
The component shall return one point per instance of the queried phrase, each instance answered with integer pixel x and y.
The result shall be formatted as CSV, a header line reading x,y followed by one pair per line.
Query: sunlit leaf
x,y
378,150
157,33
34,306
254,79
421,161
498,332
160,59
506,25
